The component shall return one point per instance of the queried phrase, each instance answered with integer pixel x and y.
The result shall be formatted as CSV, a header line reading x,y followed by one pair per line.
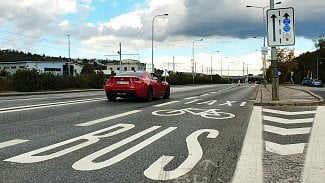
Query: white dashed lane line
x,y
11,143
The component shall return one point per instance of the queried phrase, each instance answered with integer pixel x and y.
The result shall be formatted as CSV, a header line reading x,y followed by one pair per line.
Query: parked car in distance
x,y
136,84
306,81
316,82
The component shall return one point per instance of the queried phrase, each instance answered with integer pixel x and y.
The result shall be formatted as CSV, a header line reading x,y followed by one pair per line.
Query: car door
x,y
157,85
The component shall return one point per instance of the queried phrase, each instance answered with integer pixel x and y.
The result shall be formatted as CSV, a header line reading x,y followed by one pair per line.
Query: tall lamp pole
x,y
69,55
211,64
193,57
264,37
153,21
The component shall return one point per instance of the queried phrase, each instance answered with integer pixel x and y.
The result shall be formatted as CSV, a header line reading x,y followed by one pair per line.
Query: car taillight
x,y
109,81
138,81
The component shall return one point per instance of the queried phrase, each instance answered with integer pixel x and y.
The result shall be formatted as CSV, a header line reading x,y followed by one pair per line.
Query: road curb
x,y
293,103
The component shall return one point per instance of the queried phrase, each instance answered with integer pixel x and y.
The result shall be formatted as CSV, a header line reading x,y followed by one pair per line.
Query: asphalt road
x,y
320,91
195,136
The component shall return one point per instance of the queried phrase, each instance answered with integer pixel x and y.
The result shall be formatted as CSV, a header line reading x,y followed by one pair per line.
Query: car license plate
x,y
122,82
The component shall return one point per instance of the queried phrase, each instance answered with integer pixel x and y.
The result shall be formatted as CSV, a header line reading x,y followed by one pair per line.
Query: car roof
x,y
133,73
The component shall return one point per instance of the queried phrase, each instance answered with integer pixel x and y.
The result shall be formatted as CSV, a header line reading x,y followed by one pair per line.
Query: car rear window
x,y
131,73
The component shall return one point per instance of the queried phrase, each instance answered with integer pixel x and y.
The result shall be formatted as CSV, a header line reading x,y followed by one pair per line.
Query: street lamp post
x,y
264,37
193,57
69,55
153,21
211,65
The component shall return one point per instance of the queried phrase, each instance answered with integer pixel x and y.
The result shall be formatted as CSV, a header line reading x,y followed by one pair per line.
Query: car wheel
x,y
167,93
111,97
149,94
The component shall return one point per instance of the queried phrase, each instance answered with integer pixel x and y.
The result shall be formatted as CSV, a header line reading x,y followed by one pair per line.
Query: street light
x,y
221,66
69,54
193,57
153,21
211,65
265,32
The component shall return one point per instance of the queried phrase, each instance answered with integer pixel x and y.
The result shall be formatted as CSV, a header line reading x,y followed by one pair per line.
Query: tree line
x,y
305,65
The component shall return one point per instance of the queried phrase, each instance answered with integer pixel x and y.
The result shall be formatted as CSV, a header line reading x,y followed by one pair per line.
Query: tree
x,y
87,69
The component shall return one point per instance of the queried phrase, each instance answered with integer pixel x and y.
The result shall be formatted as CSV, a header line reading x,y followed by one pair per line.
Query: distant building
x,y
54,67
125,65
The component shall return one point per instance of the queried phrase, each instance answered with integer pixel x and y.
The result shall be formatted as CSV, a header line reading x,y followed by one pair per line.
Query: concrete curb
x,y
293,103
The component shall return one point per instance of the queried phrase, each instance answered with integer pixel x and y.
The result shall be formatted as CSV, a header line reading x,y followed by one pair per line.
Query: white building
x,y
125,65
54,67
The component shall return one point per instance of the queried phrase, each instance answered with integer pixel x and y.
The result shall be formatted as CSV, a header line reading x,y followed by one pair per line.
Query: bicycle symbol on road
x,y
205,113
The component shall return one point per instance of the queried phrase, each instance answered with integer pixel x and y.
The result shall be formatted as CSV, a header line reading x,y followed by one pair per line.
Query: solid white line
x,y
249,166
167,103
288,113
286,149
285,131
89,123
204,95
11,143
242,104
288,121
38,106
314,170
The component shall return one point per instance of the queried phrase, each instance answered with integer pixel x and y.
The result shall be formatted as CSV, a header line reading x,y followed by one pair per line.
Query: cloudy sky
x,y
96,27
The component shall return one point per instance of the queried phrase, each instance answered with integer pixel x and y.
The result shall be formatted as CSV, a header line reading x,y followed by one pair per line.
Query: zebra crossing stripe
x,y
286,149
288,121
288,113
285,131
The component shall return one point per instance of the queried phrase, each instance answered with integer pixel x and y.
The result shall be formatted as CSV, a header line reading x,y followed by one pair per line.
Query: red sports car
x,y
136,84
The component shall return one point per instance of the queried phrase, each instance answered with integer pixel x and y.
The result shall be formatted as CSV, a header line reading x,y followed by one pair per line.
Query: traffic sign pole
x,y
274,64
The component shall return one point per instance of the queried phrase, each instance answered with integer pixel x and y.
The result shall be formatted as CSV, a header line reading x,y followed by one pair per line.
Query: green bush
x,y
6,84
27,80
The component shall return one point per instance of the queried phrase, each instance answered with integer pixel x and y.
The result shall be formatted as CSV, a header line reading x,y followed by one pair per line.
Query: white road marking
x,y
189,98
46,105
205,95
285,131
167,103
288,113
89,123
87,163
213,92
62,148
286,149
288,121
156,171
242,104
314,170
228,103
249,166
196,100
12,143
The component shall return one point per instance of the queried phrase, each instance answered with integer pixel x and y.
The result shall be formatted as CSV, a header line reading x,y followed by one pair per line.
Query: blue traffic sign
x,y
286,28
286,21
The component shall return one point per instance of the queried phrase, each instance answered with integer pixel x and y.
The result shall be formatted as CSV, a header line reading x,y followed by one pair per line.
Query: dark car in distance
x,y
306,81
136,84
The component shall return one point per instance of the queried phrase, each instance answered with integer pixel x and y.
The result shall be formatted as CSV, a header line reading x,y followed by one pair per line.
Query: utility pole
x,y
69,55
274,64
120,53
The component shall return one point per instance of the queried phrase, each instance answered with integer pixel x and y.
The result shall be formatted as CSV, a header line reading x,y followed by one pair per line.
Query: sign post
x,y
280,32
